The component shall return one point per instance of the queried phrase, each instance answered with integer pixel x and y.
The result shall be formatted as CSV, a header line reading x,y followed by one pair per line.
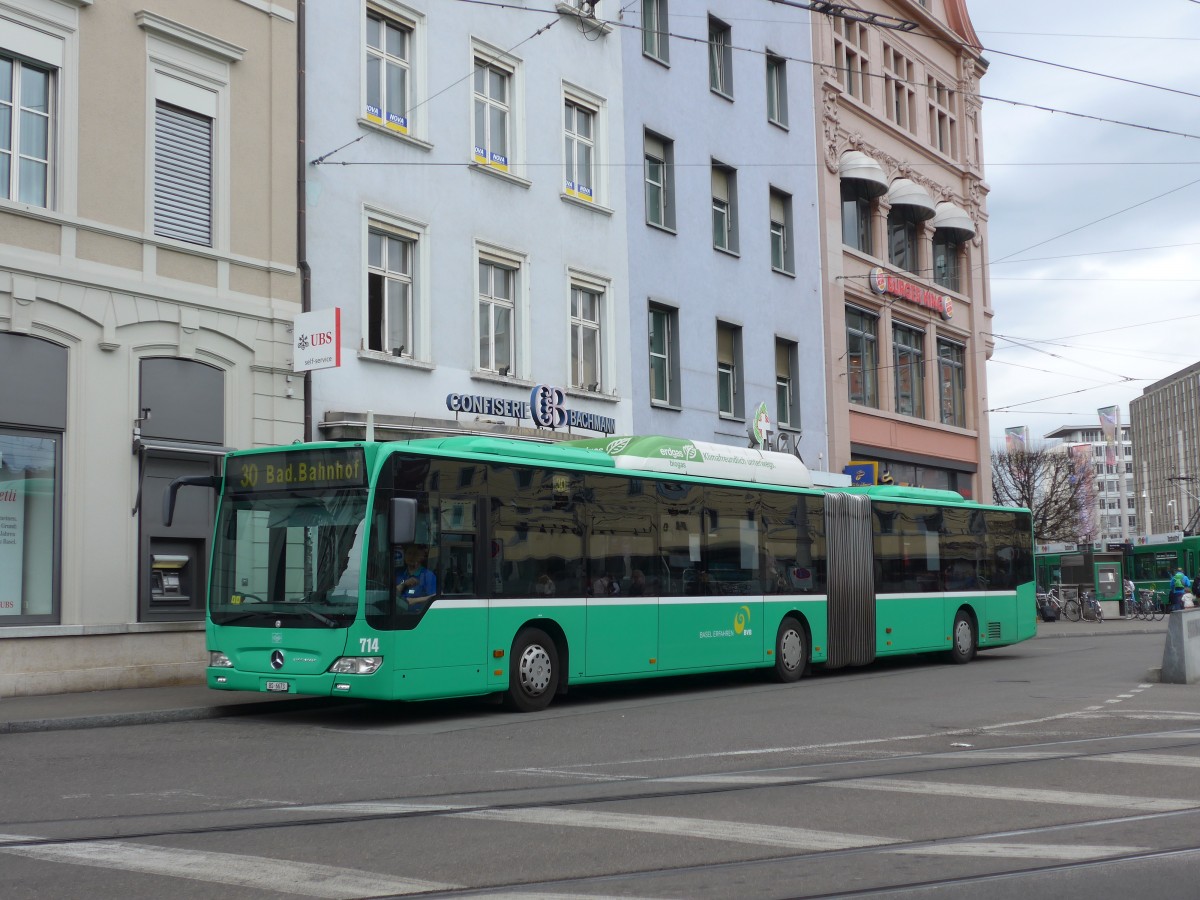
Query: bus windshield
x,y
288,558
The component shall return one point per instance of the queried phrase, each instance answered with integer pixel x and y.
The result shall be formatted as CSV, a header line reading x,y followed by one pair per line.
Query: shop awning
x,y
905,192
869,175
954,218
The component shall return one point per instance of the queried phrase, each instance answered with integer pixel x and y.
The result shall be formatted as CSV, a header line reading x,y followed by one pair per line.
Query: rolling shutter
x,y
183,152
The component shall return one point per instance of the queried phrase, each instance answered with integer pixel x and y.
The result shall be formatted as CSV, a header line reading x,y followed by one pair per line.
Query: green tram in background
x,y
1151,560
561,564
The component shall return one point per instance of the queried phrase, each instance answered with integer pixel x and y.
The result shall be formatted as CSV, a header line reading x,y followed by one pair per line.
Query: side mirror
x,y
208,481
404,520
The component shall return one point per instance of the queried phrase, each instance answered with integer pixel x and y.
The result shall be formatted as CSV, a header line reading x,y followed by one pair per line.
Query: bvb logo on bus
x,y
740,620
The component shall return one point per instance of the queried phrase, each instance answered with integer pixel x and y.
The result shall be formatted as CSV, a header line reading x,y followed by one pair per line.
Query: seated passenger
x,y
637,583
415,583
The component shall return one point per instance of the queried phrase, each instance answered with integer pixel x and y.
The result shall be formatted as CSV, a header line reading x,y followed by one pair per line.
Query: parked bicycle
x,y
1090,608
1050,605
1150,605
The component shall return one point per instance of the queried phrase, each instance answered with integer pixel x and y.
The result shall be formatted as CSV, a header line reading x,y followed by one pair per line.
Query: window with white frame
x,y
391,298
654,30
908,361
782,253
579,145
787,406
900,96
664,354
729,370
493,87
777,90
497,314
586,348
850,59
660,180
389,71
724,207
720,57
943,117
27,116
952,373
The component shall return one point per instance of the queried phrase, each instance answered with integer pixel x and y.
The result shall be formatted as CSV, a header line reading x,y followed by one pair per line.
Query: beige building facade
x,y
148,281
904,244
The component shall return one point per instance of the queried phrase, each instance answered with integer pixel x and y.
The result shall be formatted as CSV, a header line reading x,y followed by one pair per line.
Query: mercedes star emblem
x,y
276,660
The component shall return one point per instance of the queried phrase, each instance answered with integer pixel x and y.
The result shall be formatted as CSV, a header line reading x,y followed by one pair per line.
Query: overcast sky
x,y
1093,225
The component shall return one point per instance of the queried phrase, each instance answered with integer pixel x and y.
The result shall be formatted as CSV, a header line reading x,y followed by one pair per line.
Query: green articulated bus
x,y
470,565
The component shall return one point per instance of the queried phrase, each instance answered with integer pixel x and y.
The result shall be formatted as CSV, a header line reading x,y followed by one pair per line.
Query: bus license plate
x,y
281,686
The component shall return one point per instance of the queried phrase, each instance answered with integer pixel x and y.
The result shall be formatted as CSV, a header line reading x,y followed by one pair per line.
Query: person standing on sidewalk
x,y
1180,584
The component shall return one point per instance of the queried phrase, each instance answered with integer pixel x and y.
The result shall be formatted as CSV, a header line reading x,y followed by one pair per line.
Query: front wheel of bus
x,y
963,648
533,676
791,651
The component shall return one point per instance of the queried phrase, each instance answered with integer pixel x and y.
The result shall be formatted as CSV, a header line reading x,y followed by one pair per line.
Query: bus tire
x,y
791,651
962,646
533,672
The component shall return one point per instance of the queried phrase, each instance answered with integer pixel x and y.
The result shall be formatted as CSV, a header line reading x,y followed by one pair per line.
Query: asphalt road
x,y
1053,768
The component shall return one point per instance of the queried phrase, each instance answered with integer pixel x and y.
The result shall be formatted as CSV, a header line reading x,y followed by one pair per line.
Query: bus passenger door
x,y
712,544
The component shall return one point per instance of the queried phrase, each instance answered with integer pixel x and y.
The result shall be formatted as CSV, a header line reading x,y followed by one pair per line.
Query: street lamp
x,y
1174,517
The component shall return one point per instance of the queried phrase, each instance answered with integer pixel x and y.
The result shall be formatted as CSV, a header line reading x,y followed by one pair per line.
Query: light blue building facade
x,y
725,290
465,212
609,212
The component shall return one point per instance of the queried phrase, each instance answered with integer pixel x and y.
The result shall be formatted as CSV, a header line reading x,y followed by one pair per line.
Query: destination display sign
x,y
283,470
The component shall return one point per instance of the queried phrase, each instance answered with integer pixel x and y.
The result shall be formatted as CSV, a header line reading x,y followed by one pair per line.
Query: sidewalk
x,y
1110,626
139,706
145,706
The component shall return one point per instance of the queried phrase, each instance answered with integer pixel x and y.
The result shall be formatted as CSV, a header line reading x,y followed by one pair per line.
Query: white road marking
x,y
1020,851
679,826
1015,755
1027,795
281,875
748,780
1149,759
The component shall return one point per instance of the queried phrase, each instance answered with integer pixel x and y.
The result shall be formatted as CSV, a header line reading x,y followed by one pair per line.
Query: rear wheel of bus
x,y
533,671
791,651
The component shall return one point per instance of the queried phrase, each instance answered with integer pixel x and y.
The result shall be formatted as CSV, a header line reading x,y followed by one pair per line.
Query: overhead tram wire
x,y
825,8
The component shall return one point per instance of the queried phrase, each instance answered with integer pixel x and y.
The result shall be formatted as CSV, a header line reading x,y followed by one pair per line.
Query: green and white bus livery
x,y
545,565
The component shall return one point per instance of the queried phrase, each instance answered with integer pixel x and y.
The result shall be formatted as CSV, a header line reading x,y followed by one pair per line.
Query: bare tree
x,y
1055,483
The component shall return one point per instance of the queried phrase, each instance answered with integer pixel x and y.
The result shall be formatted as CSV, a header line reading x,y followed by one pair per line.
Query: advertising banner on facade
x,y
1016,439
12,544
1110,426
317,340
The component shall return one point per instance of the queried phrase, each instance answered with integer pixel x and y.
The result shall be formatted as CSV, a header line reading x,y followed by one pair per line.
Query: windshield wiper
x,y
324,620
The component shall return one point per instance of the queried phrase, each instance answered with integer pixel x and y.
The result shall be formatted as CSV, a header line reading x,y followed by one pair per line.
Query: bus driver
x,y
415,582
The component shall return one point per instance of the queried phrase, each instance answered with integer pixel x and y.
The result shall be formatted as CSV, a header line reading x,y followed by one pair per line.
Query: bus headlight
x,y
218,660
356,665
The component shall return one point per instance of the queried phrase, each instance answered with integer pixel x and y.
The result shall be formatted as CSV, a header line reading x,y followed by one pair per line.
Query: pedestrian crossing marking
x,y
284,876
1027,795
